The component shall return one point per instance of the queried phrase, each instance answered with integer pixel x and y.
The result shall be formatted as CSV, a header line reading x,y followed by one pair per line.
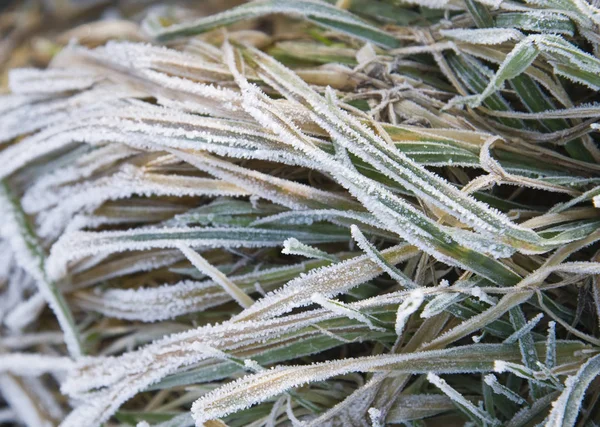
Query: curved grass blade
x,y
252,389
318,12
31,255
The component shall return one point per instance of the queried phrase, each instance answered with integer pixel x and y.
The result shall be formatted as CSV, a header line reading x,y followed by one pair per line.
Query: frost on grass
x,y
29,80
483,36
265,214
343,310
411,304
498,388
77,245
294,247
150,304
328,281
469,407
33,364
255,388
204,266
565,409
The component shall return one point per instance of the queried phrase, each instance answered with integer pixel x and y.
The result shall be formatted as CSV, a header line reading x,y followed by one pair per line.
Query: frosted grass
x,y
300,213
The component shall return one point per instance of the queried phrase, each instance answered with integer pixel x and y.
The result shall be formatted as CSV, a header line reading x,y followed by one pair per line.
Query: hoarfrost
x,y
25,313
409,306
293,246
31,364
21,403
483,36
52,80
205,267
528,327
461,400
343,310
498,388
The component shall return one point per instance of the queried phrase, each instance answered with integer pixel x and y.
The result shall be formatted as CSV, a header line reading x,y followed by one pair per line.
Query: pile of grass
x,y
294,212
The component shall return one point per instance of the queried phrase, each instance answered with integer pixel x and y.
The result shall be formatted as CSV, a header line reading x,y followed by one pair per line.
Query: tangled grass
x,y
294,212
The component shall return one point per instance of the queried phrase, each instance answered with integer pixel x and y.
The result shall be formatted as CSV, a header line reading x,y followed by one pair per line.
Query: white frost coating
x,y
483,36
365,54
98,372
21,403
441,302
433,4
518,59
389,209
15,286
376,416
42,194
131,372
281,191
128,374
293,246
461,400
477,338
101,405
500,366
409,306
498,388
30,257
25,313
45,397
57,112
309,9
566,409
252,389
128,181
328,281
356,137
10,101
524,372
205,267
550,360
545,21
154,304
103,116
479,243
357,184
353,407
375,256
527,327
253,365
556,50
52,80
288,301
139,62
29,364
344,311
77,245
290,413
187,296
6,260
23,341
309,216
555,46
478,293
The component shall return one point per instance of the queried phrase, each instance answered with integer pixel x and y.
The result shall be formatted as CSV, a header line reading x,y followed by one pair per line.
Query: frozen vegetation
x,y
300,213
